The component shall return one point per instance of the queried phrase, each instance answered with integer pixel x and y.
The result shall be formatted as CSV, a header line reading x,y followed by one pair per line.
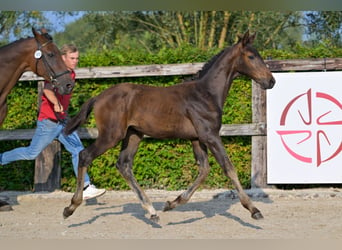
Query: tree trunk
x,y
276,30
212,29
182,27
251,20
224,29
195,28
203,29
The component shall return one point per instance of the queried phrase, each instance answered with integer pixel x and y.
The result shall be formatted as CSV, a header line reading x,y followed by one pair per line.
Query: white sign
x,y
304,128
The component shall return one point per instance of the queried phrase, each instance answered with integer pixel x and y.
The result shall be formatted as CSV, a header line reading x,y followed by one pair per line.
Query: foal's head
x,y
251,64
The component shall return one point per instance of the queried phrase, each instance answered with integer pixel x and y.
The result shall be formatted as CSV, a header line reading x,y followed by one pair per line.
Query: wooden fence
x,y
47,165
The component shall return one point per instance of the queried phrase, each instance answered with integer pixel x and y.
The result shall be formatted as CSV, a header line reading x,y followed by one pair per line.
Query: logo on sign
x,y
316,113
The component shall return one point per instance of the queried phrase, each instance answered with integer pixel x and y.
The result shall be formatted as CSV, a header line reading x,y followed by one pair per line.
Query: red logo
x,y
316,132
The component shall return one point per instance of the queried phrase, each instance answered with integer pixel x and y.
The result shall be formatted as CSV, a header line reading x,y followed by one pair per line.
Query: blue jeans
x,y
45,133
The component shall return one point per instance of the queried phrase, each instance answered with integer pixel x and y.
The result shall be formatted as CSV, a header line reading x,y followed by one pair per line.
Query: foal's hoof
x,y
154,218
5,208
67,212
257,216
167,206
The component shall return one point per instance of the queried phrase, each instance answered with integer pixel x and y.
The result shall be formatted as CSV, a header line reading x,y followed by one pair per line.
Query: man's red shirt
x,y
46,108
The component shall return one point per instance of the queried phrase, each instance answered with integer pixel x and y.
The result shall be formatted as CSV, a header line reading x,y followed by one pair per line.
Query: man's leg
x,y
73,144
45,133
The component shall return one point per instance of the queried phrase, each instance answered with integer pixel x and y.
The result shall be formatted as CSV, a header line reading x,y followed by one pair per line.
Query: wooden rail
x,y
192,68
251,129
47,169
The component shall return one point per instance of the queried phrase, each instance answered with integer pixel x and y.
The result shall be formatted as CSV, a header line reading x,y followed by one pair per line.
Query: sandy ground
x,y
210,214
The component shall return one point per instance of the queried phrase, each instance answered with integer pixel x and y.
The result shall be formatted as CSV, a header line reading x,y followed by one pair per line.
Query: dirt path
x,y
210,214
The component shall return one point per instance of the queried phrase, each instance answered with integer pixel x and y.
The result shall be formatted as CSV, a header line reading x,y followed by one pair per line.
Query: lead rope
x,y
58,116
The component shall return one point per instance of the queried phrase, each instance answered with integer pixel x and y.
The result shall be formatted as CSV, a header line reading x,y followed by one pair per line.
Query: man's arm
x,y
50,95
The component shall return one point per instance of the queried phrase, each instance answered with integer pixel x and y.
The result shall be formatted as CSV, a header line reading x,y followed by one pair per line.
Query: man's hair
x,y
68,48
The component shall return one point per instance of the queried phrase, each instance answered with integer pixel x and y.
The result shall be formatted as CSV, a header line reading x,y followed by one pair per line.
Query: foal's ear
x,y
247,39
251,38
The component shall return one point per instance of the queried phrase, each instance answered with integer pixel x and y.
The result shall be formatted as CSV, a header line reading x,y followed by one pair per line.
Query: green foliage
x,y
299,51
158,164
155,30
237,108
22,106
324,25
16,23
17,175
119,56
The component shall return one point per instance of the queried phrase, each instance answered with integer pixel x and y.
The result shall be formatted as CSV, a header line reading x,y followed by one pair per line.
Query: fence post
x,y
259,147
47,174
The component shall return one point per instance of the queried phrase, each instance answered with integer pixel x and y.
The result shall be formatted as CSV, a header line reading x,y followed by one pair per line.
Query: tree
x,y
17,23
153,30
324,26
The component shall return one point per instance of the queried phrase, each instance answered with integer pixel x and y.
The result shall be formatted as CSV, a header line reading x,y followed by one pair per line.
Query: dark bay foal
x,y
191,110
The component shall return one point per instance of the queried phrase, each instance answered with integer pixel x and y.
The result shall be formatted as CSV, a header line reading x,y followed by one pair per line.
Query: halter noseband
x,y
39,55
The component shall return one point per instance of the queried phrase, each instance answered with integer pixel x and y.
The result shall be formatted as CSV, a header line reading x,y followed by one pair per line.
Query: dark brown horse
x,y
191,110
37,54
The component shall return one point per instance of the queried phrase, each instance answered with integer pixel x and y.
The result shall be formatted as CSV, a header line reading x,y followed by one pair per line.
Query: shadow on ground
x,y
219,204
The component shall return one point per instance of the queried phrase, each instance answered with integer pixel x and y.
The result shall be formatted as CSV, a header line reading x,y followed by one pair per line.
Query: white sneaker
x,y
91,192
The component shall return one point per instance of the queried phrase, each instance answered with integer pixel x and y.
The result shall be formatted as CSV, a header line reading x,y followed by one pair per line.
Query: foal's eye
x,y
50,54
251,57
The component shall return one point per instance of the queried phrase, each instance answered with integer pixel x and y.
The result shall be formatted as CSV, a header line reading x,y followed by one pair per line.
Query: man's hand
x,y
50,95
58,108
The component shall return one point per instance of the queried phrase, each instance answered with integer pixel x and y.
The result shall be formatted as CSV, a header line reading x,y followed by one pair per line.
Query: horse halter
x,y
38,54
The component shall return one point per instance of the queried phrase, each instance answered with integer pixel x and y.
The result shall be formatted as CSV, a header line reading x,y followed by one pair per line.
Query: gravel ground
x,y
210,214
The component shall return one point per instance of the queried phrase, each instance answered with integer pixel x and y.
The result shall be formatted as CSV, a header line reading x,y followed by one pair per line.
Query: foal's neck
x,y
219,78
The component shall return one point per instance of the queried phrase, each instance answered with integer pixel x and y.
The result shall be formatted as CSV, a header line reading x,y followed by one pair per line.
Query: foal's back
x,y
160,112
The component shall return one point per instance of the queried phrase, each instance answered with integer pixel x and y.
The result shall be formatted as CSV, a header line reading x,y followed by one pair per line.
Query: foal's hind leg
x,y
201,156
86,157
78,195
124,164
216,147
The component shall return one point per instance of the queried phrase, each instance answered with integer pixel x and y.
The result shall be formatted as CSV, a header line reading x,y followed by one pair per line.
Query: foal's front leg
x,y
216,147
201,156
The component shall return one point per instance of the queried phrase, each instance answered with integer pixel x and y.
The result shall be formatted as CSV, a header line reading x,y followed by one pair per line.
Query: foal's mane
x,y
205,67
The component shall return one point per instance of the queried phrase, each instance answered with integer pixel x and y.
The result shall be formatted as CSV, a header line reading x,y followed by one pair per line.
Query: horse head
x,y
251,64
48,63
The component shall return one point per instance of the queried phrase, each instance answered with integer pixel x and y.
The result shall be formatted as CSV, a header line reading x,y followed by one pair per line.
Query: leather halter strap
x,y
53,75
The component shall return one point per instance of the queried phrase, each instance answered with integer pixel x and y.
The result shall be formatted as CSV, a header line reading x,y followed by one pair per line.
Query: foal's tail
x,y
81,117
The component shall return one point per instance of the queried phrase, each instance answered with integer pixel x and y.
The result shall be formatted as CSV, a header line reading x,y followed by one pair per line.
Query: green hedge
x,y
158,164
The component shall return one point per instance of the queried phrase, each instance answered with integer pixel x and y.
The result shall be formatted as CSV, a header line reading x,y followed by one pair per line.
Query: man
x,y
50,125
